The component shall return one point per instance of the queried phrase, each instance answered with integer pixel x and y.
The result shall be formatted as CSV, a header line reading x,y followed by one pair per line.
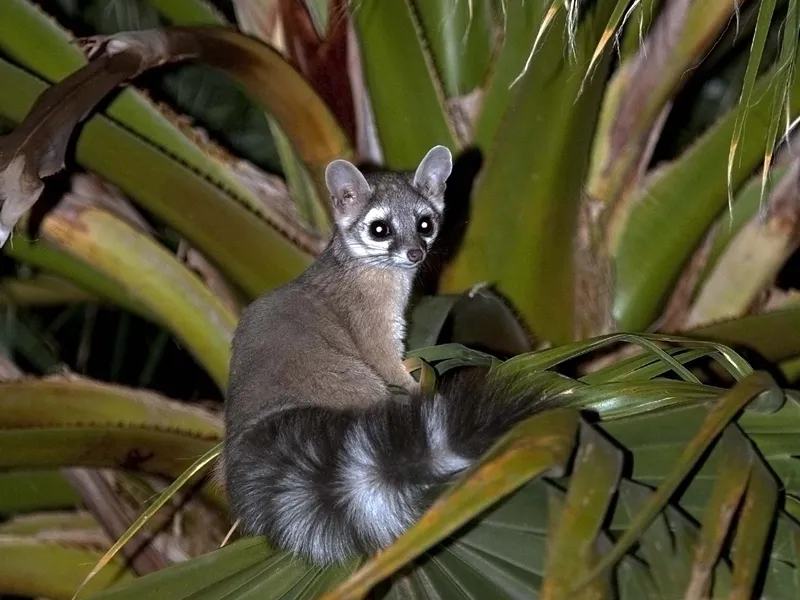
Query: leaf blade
x,y
397,60
224,229
541,188
31,567
153,277
538,445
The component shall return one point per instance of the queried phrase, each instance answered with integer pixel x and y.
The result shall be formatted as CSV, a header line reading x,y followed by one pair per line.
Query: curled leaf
x,y
36,149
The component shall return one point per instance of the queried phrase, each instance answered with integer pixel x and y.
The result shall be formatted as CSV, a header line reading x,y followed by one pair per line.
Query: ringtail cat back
x,y
330,450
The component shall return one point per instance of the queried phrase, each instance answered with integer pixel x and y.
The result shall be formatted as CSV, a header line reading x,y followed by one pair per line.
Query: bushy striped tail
x,y
330,484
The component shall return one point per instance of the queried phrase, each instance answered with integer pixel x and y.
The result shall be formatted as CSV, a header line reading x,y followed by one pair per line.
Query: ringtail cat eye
x,y
380,230
425,226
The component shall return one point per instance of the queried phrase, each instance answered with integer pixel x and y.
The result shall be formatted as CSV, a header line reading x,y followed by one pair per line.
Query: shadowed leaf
x,y
427,320
264,22
36,41
225,230
765,333
188,12
71,421
48,49
476,319
668,554
576,525
660,212
48,256
41,290
147,449
55,526
717,419
733,474
753,531
271,80
247,569
447,353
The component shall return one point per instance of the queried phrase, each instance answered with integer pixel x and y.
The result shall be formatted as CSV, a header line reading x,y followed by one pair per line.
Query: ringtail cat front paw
x,y
404,386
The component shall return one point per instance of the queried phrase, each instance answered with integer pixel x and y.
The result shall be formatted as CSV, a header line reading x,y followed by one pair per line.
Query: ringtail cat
x,y
331,451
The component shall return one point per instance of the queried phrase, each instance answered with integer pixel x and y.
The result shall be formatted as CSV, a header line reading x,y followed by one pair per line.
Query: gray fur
x,y
335,335
432,173
330,450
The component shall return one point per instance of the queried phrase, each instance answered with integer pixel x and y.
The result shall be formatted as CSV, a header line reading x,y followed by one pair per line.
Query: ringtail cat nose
x,y
414,255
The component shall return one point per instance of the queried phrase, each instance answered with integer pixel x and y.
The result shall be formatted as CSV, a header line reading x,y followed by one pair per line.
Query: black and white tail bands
x,y
329,484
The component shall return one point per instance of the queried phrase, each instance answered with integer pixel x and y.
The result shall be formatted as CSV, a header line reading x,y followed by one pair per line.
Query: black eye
x,y
380,230
425,226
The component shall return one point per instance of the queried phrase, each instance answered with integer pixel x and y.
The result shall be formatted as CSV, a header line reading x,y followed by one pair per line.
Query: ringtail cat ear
x,y
348,187
432,173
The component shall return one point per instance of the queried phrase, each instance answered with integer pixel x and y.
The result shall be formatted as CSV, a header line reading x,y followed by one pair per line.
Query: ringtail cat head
x,y
389,219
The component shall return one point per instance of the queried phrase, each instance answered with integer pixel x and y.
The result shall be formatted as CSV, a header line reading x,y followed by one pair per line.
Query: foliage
x,y
623,166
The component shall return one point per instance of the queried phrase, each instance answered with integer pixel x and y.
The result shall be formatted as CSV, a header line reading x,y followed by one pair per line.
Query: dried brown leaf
x,y
185,528
101,500
322,60
36,149
593,276
367,143
464,111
